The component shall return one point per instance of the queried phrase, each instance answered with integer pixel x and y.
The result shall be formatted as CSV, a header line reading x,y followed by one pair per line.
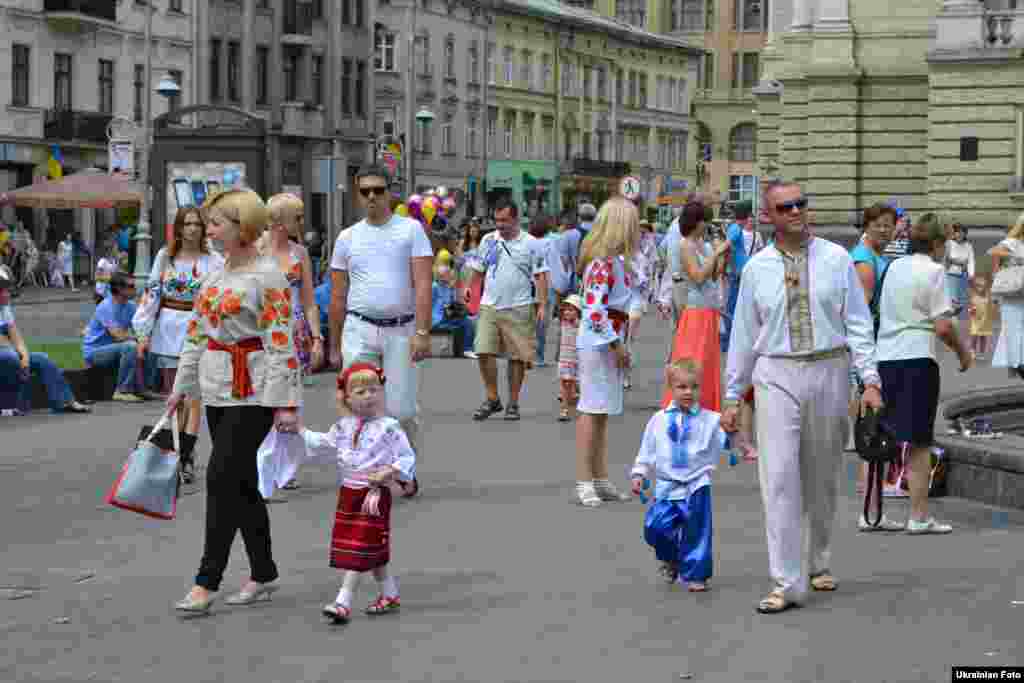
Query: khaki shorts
x,y
511,331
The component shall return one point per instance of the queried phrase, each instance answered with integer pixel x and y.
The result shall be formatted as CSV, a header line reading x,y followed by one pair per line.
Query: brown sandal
x,y
823,582
773,603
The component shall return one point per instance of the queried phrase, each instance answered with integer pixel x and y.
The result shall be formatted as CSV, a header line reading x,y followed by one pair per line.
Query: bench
x,y
89,384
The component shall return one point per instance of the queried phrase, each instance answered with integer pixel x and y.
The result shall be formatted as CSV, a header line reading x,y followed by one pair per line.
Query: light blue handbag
x,y
150,480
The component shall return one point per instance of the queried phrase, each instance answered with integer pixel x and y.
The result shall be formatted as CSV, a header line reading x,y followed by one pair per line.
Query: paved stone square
x,y
501,578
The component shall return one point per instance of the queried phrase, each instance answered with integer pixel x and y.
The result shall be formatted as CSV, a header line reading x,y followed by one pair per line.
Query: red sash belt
x,y
241,382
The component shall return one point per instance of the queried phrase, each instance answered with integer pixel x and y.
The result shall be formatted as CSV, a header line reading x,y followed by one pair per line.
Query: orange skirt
x,y
697,339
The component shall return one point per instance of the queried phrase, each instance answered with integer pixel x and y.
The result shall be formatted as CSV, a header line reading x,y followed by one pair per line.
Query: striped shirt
x,y
897,248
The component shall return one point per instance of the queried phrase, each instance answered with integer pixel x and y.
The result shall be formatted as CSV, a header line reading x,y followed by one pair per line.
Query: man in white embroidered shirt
x,y
800,307
381,277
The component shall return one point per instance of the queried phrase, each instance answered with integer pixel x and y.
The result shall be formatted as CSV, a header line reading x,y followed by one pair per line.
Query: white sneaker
x,y
885,525
928,526
470,354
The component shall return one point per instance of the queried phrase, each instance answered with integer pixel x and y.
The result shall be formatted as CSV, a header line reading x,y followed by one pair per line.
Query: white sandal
x,y
586,495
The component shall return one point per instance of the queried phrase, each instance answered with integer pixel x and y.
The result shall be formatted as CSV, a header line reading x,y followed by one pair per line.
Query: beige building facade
x,y
66,70
918,103
732,33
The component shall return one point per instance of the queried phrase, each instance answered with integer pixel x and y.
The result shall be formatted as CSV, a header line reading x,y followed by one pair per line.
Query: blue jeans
x,y
466,326
17,391
542,326
123,357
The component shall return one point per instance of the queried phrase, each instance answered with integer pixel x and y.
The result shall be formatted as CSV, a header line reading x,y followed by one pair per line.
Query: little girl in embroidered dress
x,y
568,366
681,446
371,450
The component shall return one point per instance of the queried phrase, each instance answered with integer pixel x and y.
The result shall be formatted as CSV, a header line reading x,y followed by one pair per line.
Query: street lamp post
x,y
423,118
168,88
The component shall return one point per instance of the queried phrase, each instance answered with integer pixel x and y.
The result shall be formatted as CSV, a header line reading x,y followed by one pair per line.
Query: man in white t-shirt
x,y
513,267
381,276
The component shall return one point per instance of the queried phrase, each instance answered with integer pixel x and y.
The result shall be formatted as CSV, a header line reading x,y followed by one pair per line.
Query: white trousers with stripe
x,y
801,410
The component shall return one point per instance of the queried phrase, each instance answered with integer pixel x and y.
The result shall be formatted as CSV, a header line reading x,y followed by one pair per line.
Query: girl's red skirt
x,y
361,542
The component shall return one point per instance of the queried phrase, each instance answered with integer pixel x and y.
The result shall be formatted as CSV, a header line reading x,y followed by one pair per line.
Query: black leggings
x,y
233,500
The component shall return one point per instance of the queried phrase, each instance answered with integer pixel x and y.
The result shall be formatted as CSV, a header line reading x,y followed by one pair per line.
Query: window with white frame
x,y
449,57
526,70
743,142
545,72
750,15
681,104
425,133
448,136
474,62
21,81
707,71
746,70
692,14
510,65
507,142
670,98
422,50
568,79
602,83
492,131
586,82
471,136
489,63
742,188
526,133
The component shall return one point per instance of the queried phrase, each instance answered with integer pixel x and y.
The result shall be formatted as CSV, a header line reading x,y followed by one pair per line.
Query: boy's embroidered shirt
x,y
679,474
381,443
606,285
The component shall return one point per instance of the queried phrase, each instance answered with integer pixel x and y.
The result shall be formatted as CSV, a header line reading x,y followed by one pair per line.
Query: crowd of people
x,y
780,340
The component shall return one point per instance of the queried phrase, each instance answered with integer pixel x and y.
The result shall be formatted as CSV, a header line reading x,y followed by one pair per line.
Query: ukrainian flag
x,y
54,167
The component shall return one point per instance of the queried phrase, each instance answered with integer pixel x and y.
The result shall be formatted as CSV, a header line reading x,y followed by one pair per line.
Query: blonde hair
x,y
686,365
242,207
616,230
1016,231
362,378
930,228
284,205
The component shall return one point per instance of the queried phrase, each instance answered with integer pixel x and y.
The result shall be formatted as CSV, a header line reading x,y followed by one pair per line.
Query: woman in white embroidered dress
x,y
283,243
605,264
239,359
1009,351
161,319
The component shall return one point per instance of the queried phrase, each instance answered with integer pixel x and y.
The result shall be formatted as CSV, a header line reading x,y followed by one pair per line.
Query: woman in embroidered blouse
x,y
282,244
161,319
697,335
604,265
239,359
1009,351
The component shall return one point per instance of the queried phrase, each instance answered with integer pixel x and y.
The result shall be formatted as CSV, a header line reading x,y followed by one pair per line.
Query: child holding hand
x,y
568,366
371,451
681,446
982,311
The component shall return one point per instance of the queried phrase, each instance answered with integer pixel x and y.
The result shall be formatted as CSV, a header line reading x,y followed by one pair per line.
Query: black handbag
x,y
878,448
455,311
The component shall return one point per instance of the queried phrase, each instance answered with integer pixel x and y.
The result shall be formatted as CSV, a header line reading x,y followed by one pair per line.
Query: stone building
x,y
66,69
306,67
920,102
444,78
579,99
732,32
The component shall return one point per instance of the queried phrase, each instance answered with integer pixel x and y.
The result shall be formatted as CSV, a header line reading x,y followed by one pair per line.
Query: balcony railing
x,y
98,9
298,18
64,124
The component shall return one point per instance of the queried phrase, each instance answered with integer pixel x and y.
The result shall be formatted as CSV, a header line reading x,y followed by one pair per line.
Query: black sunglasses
x,y
786,207
367,191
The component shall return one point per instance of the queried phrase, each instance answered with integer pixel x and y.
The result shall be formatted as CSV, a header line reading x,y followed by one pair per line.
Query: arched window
x,y
743,142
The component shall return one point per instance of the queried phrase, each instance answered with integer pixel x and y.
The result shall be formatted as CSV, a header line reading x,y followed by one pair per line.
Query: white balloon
x,y
442,192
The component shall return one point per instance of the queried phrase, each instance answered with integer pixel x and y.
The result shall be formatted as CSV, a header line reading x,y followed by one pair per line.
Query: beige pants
x,y
801,428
